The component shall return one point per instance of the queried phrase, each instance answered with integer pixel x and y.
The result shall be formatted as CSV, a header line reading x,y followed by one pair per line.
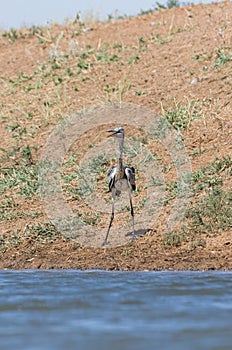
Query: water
x,y
115,310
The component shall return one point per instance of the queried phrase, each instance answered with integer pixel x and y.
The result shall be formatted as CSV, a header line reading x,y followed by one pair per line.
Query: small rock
x,y
195,80
86,30
29,260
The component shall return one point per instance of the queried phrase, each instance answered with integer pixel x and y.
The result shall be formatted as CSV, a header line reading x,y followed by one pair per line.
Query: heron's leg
x,y
132,215
111,220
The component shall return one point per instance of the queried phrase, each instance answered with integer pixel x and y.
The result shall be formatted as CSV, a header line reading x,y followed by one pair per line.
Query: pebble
x,y
195,80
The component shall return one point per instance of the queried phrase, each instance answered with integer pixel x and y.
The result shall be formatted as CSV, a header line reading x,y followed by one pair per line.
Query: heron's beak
x,y
113,132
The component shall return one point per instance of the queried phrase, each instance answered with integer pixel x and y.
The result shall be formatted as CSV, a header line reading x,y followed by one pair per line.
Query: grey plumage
x,y
128,174
120,178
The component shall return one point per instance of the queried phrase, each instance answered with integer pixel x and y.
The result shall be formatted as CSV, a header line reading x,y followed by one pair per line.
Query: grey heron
x,y
121,178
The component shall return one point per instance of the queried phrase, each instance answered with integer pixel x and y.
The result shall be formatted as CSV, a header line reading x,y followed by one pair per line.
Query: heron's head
x,y
117,132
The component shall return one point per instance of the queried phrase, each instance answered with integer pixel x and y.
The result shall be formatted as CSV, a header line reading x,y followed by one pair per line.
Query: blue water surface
x,y
70,309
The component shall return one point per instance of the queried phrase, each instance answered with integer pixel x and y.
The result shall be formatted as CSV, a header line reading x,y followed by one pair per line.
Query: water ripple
x,y
101,310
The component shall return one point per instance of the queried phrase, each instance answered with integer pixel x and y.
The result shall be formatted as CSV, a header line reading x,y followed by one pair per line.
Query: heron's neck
x,y
120,150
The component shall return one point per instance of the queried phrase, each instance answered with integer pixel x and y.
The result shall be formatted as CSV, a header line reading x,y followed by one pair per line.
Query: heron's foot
x,y
134,237
105,243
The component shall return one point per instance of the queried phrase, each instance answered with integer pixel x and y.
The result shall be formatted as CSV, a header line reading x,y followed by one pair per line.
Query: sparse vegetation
x,y
158,6
210,215
212,212
222,57
21,180
41,232
181,116
48,73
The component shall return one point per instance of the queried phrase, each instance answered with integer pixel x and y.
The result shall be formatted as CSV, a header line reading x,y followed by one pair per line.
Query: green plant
x,y
17,130
201,242
133,59
181,116
146,12
23,179
210,214
140,92
206,178
84,65
90,219
42,232
170,4
210,176
173,239
222,58
160,6
81,180
126,252
160,40
27,154
202,57
11,35
105,57
142,44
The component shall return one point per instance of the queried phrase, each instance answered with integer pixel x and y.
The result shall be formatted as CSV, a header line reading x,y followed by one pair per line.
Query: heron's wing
x,y
111,176
130,175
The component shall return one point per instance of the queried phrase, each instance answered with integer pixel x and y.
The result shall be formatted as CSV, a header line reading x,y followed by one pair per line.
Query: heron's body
x,y
121,178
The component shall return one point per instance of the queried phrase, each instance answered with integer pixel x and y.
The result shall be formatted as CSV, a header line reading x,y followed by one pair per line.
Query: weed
x,y
35,30
133,59
105,57
11,35
142,44
13,241
173,239
42,232
8,203
9,214
162,41
84,65
201,57
172,188
118,46
206,178
23,179
209,177
140,92
109,89
146,12
159,6
181,116
90,219
170,4
17,130
210,214
81,181
222,58
201,242
98,164
75,245
126,252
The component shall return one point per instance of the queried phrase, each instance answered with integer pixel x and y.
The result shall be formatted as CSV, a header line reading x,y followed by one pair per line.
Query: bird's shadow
x,y
138,233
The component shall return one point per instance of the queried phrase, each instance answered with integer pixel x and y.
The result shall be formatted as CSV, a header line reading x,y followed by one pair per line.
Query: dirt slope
x,y
176,62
